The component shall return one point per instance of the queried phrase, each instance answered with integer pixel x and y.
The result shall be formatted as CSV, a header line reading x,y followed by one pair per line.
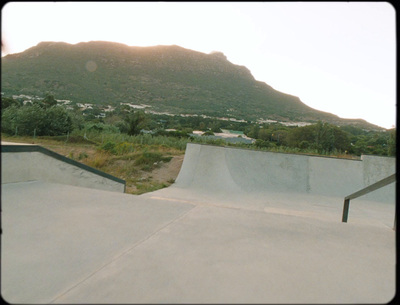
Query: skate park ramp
x,y
26,162
271,181
213,237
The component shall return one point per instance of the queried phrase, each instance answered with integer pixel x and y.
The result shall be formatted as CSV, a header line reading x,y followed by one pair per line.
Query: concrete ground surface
x,y
182,244
66,244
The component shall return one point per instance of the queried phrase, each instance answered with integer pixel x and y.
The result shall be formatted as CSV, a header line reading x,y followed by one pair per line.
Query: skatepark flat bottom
x,y
68,244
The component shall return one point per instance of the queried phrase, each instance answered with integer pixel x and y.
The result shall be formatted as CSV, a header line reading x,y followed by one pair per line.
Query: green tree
x,y
253,131
49,101
301,134
215,126
78,121
136,121
202,126
264,134
262,144
8,101
359,146
24,120
329,137
392,143
8,119
34,119
321,136
57,121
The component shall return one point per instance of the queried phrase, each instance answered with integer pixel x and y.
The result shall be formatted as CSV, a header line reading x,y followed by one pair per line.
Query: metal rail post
x,y
345,210
366,190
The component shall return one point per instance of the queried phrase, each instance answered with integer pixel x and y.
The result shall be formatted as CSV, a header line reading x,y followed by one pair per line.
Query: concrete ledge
x,y
33,162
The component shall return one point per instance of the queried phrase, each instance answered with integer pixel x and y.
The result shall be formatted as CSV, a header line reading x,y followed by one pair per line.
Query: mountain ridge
x,y
168,78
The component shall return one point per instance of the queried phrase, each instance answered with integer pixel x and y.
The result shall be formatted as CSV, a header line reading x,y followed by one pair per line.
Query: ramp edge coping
x,y
279,152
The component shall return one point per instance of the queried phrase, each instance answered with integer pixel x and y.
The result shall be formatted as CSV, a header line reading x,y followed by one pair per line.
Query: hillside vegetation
x,y
166,78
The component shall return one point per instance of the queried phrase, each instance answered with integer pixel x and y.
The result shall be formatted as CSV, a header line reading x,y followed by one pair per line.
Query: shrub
x,y
304,144
82,155
56,122
98,161
34,119
109,147
262,144
148,160
124,148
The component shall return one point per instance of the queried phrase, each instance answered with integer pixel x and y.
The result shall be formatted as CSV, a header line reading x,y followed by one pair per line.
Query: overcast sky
x,y
338,57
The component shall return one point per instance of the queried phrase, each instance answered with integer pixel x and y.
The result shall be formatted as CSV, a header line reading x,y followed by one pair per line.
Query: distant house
x,y
101,115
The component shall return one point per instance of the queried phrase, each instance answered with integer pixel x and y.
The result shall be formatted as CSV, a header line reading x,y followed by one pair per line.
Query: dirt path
x,y
168,172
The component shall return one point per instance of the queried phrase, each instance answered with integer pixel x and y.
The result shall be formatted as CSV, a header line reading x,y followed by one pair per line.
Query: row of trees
x,y
45,118
320,137
39,118
327,138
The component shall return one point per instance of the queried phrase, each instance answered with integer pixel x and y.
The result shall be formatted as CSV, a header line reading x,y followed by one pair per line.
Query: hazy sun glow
x,y
338,57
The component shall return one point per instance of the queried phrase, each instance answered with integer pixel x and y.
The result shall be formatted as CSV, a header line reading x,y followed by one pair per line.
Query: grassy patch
x,y
99,160
149,160
145,187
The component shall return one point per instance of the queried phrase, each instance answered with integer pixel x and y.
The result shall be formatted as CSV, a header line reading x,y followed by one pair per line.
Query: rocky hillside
x,y
168,78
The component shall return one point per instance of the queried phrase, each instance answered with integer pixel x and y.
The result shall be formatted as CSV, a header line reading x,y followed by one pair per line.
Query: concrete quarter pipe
x,y
238,226
213,168
264,180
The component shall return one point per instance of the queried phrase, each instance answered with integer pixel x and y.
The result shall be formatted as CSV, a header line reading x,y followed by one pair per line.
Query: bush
x,y
208,133
304,145
98,161
8,118
109,147
102,128
262,144
148,160
56,122
28,120
83,155
124,148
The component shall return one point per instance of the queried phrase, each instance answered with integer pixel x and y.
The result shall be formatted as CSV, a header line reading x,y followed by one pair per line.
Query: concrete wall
x,y
225,169
21,164
335,177
376,168
256,171
16,167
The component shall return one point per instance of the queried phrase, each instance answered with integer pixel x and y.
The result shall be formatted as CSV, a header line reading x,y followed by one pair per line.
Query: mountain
x,y
167,78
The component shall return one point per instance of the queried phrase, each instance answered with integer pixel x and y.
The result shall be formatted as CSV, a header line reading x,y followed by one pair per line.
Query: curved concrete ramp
x,y
223,170
287,184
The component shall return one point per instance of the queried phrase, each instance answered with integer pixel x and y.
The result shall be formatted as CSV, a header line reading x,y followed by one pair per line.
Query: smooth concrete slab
x,y
327,208
219,255
54,236
65,244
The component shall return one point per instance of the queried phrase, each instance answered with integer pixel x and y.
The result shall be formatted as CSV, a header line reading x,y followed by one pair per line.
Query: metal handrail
x,y
366,190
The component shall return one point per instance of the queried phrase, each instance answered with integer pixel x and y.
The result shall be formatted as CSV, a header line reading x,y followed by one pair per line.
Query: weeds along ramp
x,y
222,169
